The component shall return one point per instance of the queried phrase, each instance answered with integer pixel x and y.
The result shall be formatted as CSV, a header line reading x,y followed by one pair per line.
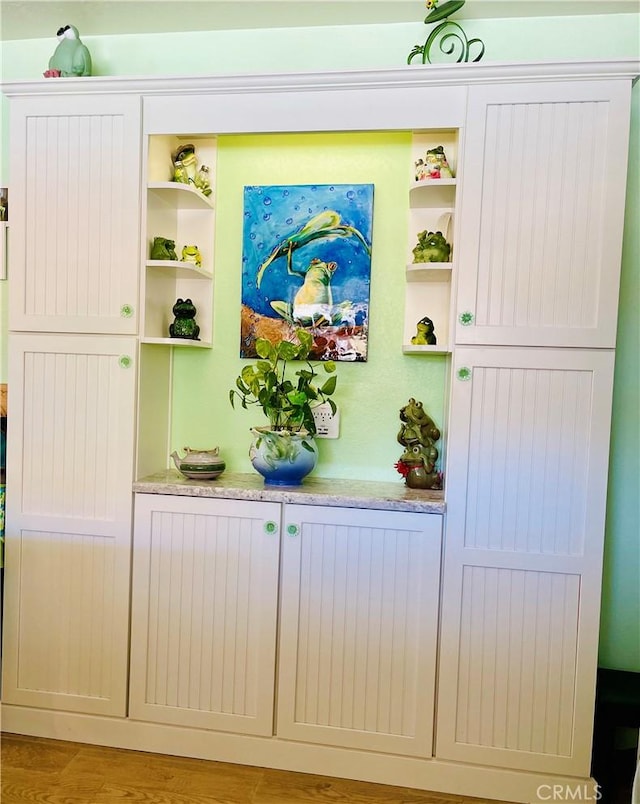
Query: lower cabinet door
x,y
204,611
527,483
359,611
68,529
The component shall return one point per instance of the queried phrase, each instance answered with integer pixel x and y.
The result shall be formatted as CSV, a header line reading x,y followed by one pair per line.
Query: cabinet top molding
x,y
428,75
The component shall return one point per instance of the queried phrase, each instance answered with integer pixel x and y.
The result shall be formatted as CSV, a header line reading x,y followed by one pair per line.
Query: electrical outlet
x,y
327,423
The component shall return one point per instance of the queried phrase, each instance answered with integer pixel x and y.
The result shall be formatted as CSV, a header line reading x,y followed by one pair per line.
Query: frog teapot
x,y
204,464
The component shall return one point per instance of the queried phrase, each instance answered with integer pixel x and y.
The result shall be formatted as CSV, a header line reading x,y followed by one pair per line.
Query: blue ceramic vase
x,y
281,457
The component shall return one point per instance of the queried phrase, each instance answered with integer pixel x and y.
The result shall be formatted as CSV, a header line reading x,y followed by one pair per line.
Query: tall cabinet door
x,y
75,190
205,593
358,628
528,453
542,214
68,527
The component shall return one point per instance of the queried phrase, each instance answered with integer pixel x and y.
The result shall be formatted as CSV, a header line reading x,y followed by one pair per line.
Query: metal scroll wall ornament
x,y
448,36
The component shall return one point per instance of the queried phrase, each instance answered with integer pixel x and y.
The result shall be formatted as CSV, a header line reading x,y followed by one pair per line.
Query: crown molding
x,y
408,76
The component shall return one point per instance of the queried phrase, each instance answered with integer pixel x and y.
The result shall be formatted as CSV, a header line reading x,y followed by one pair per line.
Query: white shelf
x,y
429,272
184,196
179,342
410,349
177,268
433,193
433,183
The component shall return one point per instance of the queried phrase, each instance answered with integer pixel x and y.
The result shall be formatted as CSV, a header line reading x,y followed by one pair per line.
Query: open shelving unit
x,y
182,213
432,206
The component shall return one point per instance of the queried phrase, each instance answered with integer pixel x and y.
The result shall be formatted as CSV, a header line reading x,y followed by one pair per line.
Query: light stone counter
x,y
314,491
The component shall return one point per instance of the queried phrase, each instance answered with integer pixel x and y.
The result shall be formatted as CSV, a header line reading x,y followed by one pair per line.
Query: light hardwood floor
x,y
56,772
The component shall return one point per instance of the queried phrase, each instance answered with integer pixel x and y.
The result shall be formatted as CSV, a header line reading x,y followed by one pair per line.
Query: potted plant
x,y
284,452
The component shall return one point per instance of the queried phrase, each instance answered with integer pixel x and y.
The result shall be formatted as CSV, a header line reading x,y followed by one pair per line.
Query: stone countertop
x,y
336,492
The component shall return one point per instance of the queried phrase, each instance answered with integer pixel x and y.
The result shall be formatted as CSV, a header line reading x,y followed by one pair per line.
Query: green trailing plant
x,y
286,397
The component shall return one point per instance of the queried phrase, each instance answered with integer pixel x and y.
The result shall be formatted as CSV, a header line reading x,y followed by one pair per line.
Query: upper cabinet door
x,y
75,190
542,214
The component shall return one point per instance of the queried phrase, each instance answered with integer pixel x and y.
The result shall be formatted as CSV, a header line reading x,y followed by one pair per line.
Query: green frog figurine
x,y
71,58
418,435
184,325
425,335
192,254
163,249
431,247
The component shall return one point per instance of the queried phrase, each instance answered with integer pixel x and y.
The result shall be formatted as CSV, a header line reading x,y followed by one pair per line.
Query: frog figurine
x,y
163,249
436,165
71,57
418,435
431,247
192,254
184,325
425,335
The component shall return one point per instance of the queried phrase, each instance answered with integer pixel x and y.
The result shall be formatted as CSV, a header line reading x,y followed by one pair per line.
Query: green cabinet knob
x,y
466,318
270,527
124,361
126,311
292,530
464,373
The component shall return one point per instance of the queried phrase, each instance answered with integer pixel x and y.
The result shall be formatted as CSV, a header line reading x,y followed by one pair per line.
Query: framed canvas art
x,y
306,263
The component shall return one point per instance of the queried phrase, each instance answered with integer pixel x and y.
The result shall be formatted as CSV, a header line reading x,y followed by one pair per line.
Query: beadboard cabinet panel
x,y
68,528
542,218
75,214
358,634
205,590
526,492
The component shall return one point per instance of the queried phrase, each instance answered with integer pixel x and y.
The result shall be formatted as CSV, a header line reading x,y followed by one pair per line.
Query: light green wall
x,y
203,378
369,395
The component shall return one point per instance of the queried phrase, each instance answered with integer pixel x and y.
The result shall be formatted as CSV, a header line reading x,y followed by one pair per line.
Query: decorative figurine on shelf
x,y
184,159
163,249
71,58
192,254
425,335
431,247
184,325
450,37
436,164
180,173
186,171
418,434
203,180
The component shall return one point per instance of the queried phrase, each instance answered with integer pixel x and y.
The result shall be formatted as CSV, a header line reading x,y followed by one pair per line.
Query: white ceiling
x,y
35,19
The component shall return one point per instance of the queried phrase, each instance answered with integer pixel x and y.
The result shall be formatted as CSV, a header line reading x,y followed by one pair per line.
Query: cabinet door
x,y
205,591
358,617
70,457
527,482
75,198
542,214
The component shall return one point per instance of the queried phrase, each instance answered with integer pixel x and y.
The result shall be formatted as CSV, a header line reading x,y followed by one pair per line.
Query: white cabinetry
x,y
75,193
358,621
358,628
205,594
542,214
69,526
528,448
75,212
527,484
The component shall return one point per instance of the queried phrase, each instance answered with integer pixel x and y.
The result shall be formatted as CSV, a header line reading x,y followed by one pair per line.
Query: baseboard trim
x,y
273,752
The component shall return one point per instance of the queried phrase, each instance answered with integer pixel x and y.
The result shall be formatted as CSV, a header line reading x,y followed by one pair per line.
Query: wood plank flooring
x,y
55,772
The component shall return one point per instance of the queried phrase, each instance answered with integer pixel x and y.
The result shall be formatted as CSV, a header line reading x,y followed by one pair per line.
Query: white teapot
x,y
205,464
